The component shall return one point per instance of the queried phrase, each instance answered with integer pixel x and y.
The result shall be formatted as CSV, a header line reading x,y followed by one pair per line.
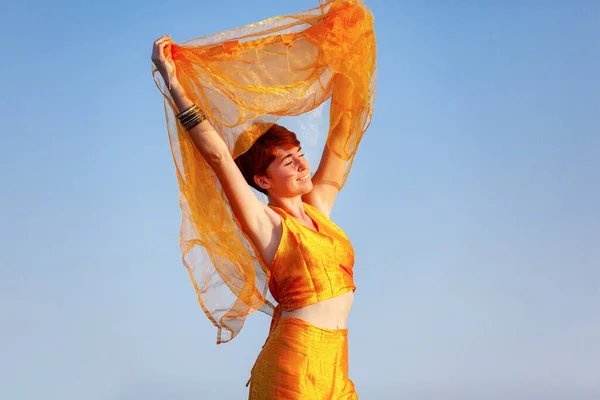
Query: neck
x,y
291,205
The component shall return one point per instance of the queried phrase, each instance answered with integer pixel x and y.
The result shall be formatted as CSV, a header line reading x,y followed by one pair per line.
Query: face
x,y
288,174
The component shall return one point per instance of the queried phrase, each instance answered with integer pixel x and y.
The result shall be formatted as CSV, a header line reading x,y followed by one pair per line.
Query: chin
x,y
301,188
307,187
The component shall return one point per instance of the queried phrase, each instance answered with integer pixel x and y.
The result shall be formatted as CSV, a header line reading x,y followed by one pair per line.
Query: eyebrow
x,y
289,155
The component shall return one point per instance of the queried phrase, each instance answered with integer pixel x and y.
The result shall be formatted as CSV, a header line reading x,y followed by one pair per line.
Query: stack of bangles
x,y
191,117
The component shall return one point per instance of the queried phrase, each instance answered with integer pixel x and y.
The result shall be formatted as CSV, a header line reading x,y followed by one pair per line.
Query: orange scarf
x,y
245,80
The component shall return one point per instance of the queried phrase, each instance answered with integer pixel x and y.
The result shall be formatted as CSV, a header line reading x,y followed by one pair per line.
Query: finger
x,y
159,57
158,49
167,50
162,39
164,46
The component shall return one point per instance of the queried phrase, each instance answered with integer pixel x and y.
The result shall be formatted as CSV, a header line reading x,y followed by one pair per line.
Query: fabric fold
x,y
246,79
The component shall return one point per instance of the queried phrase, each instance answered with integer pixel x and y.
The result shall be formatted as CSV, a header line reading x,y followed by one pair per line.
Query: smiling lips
x,y
305,177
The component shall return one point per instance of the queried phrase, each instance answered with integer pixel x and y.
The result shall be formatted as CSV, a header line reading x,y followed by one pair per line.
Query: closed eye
x,y
290,163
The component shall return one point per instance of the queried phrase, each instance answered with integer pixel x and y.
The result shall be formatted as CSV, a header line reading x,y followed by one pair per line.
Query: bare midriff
x,y
329,314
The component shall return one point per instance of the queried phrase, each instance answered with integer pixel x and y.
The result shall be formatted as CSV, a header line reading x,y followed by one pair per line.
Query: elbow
x,y
212,148
217,157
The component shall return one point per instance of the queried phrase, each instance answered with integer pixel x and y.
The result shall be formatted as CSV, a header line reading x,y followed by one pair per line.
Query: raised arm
x,y
254,216
328,178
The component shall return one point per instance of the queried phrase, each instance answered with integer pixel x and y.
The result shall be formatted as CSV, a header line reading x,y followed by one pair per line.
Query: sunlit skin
x,y
287,176
287,180
288,183
292,262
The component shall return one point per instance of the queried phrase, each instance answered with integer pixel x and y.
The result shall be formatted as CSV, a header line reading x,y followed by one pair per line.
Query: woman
x,y
307,260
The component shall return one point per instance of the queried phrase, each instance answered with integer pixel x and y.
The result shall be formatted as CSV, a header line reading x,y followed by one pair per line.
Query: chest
x,y
323,249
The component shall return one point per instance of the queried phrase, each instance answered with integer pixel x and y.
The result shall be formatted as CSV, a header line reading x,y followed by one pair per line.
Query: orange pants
x,y
302,361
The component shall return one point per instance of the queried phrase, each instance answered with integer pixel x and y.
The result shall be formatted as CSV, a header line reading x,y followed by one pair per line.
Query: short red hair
x,y
262,153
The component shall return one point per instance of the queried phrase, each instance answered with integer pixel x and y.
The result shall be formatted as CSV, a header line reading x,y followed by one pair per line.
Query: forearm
x,y
341,127
182,101
337,148
205,138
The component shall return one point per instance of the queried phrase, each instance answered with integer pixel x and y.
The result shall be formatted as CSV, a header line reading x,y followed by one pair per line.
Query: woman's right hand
x,y
163,59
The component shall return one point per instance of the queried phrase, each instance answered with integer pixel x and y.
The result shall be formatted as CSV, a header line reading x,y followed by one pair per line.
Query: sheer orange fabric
x,y
245,80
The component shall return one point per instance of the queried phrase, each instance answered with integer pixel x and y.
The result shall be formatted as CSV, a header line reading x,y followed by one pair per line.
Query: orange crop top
x,y
310,266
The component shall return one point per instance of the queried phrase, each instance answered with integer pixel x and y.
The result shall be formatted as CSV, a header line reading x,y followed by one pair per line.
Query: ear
x,y
262,182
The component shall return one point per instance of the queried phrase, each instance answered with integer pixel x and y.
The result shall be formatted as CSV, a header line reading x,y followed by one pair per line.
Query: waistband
x,y
315,331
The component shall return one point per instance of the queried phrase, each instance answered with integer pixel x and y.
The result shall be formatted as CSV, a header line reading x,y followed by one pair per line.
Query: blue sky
x,y
473,206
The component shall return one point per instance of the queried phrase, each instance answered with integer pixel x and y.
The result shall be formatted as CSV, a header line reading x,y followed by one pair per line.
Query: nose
x,y
302,164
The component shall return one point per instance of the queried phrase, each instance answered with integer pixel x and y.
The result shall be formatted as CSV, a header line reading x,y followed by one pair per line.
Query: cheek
x,y
282,174
289,176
